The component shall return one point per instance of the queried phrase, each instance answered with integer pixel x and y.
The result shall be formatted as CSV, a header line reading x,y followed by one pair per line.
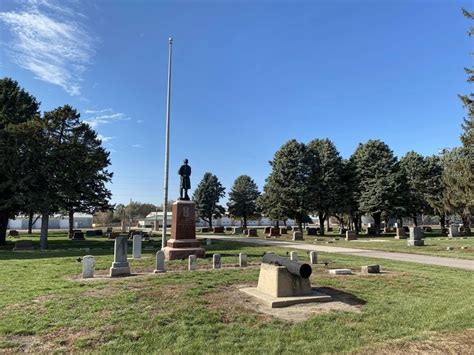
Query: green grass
x,y
435,244
44,306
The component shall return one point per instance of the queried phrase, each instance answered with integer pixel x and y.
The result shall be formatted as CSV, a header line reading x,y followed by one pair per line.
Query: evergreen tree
x,y
435,189
17,107
207,196
270,203
378,181
326,184
290,180
243,199
416,172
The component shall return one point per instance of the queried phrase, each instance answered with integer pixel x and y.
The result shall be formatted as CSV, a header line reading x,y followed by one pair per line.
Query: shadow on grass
x,y
344,297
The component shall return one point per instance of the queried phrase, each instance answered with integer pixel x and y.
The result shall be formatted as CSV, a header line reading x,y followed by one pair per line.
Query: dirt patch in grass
x,y
453,343
231,304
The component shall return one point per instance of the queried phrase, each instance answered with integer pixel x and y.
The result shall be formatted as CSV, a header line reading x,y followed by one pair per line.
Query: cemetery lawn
x,y
45,306
435,244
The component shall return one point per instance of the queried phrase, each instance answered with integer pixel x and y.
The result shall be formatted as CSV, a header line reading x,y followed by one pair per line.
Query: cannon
x,y
293,267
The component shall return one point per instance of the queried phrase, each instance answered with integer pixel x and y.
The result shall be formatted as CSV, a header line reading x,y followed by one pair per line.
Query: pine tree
x,y
207,196
290,180
243,199
378,182
17,108
326,184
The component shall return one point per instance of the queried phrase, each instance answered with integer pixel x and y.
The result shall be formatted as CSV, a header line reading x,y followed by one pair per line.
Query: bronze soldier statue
x,y
185,173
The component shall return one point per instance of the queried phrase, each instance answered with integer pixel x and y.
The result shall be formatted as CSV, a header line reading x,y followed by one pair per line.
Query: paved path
x,y
413,258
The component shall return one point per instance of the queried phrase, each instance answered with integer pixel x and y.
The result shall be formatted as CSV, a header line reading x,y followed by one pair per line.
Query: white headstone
x,y
192,262
160,262
313,257
242,259
137,246
293,255
340,271
87,266
216,261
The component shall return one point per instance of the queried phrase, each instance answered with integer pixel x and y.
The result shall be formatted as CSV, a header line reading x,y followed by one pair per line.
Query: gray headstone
x,y
313,257
453,231
370,269
120,265
208,241
415,242
216,261
298,236
192,262
242,259
237,230
120,252
449,248
416,233
294,255
160,262
351,235
340,271
87,266
137,246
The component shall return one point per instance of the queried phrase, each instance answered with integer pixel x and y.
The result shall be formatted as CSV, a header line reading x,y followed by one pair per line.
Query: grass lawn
x,y
435,244
45,306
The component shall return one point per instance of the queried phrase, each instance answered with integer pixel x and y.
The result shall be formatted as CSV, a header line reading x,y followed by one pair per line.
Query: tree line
x,y
48,163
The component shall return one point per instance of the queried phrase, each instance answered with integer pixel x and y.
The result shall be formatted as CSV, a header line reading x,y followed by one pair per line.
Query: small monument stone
x,y
87,267
160,262
370,269
297,236
120,265
312,231
313,257
242,259
192,262
216,261
416,235
137,246
341,271
351,235
237,230
293,255
453,231
23,245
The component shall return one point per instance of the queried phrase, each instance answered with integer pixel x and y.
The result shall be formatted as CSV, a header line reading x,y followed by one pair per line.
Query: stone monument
x,y
416,237
87,266
183,242
283,282
120,265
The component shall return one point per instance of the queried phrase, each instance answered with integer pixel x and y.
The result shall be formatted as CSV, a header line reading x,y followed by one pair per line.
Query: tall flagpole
x,y
167,146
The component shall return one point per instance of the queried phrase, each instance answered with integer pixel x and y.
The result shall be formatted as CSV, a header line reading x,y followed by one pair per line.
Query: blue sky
x,y
247,77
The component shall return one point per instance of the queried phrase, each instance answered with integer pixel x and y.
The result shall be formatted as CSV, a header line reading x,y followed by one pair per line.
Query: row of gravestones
x,y
121,266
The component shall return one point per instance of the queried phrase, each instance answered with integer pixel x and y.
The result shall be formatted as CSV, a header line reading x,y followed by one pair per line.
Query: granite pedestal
x,y
183,242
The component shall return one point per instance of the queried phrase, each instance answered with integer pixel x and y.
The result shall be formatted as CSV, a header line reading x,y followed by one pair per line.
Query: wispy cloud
x,y
139,121
99,117
137,146
50,40
98,111
104,139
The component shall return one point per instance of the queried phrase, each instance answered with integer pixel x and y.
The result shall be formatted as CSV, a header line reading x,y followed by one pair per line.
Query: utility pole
x,y
167,146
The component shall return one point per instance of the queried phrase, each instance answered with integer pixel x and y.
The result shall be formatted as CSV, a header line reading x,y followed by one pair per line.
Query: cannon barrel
x,y
294,267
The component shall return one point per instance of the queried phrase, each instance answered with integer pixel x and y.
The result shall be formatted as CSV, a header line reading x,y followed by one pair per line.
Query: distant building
x,y
157,217
57,221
